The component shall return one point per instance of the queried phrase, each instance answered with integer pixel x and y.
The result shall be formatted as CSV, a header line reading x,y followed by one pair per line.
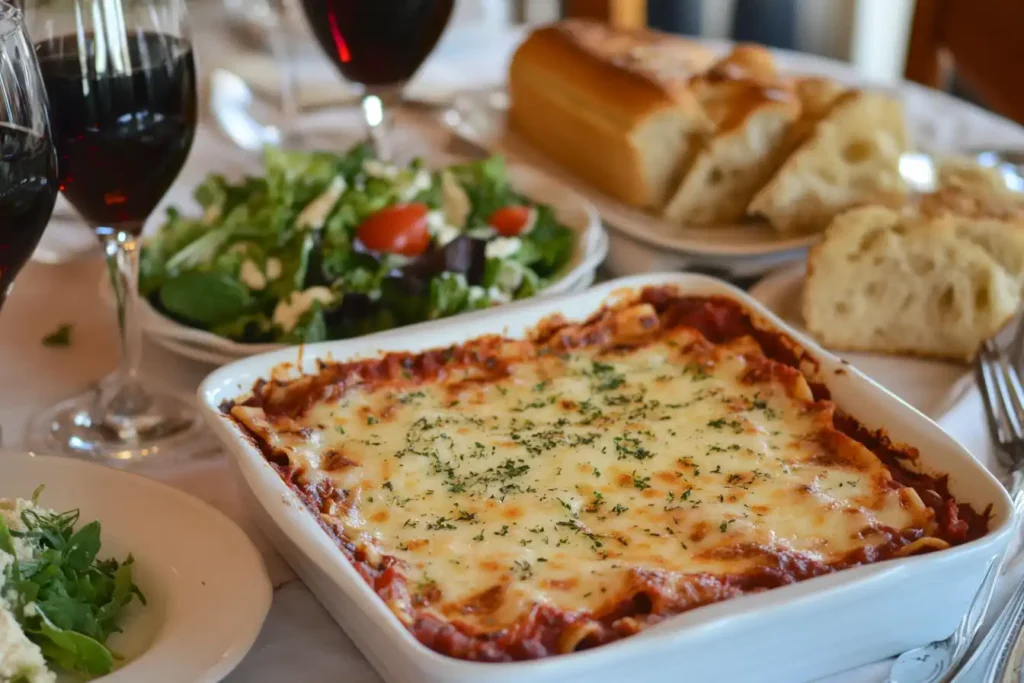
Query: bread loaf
x,y
851,159
752,112
613,108
892,282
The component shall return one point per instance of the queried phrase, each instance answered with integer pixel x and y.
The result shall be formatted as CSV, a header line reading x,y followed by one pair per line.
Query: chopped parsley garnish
x,y
641,482
60,337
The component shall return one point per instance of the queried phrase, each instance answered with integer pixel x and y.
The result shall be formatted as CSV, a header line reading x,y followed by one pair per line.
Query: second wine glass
x,y
121,81
379,45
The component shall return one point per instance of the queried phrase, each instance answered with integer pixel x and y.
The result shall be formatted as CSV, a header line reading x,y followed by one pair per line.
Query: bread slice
x,y
892,282
614,108
851,159
751,111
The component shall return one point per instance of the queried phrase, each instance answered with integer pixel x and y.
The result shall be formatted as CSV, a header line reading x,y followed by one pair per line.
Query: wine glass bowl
x,y
28,165
379,45
122,82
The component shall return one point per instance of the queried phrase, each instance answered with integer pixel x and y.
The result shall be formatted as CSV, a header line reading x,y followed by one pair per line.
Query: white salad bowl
x,y
572,211
206,587
798,632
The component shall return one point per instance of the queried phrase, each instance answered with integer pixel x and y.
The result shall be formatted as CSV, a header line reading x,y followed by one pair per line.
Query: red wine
x,y
28,190
122,129
378,42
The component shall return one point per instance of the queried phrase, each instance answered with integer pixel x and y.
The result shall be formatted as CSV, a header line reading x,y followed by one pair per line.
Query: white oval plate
x,y
931,386
571,210
207,590
480,119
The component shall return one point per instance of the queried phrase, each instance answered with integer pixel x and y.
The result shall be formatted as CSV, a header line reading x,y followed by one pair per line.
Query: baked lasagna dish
x,y
513,499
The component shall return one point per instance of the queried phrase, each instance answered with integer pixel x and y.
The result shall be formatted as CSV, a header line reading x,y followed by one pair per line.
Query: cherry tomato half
x,y
509,221
398,229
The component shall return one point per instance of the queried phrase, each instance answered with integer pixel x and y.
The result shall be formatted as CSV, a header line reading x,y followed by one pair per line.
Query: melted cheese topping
x,y
561,481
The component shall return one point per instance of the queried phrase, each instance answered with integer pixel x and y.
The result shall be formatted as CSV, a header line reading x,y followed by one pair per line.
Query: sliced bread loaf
x,y
851,159
751,113
889,282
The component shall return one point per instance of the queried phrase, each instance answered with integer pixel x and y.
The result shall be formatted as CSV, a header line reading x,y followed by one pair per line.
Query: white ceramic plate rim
x,y
150,513
236,379
484,126
577,213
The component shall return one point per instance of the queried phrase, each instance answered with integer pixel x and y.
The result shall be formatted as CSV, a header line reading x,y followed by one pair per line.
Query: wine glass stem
x,y
126,397
281,46
379,104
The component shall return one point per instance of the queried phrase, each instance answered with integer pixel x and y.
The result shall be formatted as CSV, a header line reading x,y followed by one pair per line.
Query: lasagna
x,y
513,499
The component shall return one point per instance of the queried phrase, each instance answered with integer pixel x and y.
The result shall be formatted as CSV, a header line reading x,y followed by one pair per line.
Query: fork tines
x,y
1003,397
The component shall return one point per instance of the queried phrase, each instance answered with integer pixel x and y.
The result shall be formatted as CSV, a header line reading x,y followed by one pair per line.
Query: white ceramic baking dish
x,y
794,633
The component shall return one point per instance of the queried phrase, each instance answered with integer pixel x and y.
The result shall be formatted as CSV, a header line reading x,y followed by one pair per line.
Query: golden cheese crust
x,y
513,499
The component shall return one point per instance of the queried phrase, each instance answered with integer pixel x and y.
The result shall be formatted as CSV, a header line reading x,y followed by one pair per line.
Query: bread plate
x,y
480,119
801,631
578,214
932,386
206,588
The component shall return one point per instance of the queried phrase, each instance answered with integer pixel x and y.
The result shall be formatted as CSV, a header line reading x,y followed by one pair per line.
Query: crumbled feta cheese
x,y
446,235
476,292
11,510
439,228
288,311
380,169
482,232
274,268
316,212
502,247
20,658
419,183
454,201
251,276
212,214
509,276
498,296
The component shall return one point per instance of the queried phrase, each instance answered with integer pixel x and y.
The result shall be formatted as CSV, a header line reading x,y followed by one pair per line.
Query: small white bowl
x,y
572,210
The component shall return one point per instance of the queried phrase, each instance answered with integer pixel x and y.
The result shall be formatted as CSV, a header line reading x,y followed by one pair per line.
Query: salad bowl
x,y
584,247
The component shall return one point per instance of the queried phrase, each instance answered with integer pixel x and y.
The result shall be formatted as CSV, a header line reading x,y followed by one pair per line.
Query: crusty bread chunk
x,y
892,282
851,159
612,107
751,112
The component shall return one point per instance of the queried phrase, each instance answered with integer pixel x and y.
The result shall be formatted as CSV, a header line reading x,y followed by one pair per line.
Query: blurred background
x,y
886,40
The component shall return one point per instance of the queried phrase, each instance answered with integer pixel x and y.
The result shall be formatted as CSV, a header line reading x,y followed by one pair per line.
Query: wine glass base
x,y
168,431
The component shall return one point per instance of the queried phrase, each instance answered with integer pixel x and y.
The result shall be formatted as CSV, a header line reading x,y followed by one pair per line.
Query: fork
x,y
1003,397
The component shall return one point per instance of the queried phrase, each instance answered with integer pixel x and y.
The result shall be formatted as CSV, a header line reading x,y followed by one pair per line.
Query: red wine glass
x,y
28,165
121,80
379,45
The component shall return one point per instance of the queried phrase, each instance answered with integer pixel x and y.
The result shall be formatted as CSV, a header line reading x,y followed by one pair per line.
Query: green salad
x,y
59,603
330,246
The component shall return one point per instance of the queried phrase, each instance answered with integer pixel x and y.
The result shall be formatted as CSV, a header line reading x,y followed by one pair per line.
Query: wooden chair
x,y
981,41
625,14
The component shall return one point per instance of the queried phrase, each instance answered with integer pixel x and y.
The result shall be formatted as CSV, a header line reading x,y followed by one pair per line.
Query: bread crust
x,y
614,108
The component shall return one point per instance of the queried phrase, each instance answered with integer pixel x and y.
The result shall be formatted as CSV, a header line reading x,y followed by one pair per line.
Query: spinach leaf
x,y
206,298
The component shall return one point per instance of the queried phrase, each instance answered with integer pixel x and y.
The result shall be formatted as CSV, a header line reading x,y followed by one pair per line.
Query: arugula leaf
x,y
72,651
6,540
449,294
65,600
83,547
551,242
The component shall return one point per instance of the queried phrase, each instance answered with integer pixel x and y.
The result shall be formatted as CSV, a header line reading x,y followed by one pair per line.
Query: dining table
x,y
300,642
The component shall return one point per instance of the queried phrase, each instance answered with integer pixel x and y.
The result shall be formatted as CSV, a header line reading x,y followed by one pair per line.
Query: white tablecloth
x,y
299,642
